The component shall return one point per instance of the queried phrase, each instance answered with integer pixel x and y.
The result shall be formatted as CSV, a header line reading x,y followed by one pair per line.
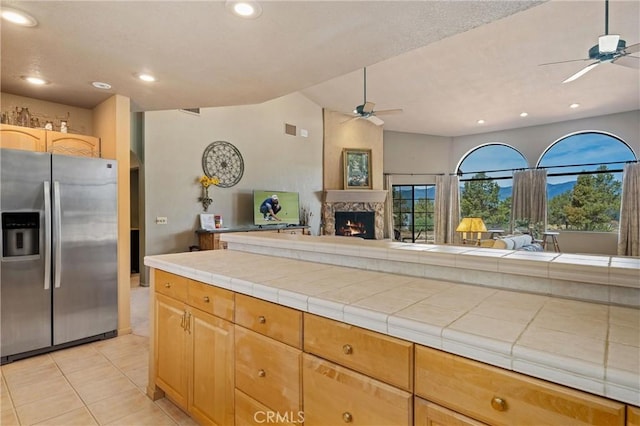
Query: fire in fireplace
x,y
356,224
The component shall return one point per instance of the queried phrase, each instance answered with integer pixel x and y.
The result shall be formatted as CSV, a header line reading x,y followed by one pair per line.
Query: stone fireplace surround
x,y
353,200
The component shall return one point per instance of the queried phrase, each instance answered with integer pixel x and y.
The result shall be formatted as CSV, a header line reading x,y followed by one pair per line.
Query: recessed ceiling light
x,y
146,77
480,121
34,80
574,105
101,85
524,114
18,17
244,8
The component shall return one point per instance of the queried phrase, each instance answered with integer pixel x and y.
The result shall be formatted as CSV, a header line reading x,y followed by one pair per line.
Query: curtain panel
x,y
389,231
529,197
447,209
629,232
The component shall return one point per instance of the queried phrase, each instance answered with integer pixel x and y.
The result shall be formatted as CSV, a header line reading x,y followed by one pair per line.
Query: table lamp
x,y
471,224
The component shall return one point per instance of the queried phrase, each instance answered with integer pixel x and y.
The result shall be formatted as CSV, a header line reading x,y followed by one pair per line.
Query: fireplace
x,y
354,201
356,224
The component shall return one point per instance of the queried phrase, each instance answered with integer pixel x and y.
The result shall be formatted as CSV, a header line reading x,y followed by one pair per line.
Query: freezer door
x,y
25,290
85,298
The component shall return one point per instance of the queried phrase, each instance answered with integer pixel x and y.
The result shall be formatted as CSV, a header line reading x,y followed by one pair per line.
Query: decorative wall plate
x,y
223,160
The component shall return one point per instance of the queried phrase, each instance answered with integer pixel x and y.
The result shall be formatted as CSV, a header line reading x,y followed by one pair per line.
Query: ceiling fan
x,y
610,48
366,110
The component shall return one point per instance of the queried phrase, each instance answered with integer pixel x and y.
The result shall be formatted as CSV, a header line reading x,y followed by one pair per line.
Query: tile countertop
x,y
591,278
588,346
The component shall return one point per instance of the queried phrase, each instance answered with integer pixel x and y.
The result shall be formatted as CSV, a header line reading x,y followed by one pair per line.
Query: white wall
x,y
174,142
410,153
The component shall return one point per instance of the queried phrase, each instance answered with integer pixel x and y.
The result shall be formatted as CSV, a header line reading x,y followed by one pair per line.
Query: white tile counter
x,y
588,346
603,279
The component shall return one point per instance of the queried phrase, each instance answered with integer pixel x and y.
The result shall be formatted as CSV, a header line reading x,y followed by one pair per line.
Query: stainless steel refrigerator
x,y
58,265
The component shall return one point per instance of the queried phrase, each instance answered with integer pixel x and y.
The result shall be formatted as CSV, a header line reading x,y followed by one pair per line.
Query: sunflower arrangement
x,y
206,182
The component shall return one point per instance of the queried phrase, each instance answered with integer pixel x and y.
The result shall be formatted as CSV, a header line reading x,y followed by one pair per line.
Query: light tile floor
x,y
100,383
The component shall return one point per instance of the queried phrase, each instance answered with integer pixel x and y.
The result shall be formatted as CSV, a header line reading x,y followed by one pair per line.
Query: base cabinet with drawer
x,y
194,358
268,358
227,358
500,397
430,414
335,395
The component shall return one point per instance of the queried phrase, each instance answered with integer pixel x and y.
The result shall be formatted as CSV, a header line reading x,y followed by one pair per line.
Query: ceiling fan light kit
x,y
609,44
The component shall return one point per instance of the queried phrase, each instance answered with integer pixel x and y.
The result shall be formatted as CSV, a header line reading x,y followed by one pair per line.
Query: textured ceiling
x,y
446,63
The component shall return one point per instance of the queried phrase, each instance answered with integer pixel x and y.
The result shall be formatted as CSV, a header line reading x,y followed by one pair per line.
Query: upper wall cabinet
x,y
25,138
16,137
73,144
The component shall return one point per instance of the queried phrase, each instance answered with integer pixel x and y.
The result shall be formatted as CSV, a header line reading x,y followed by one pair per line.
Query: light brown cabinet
x,y
633,416
25,138
335,395
72,144
279,365
40,140
429,414
278,322
382,357
211,361
171,346
268,361
500,397
194,358
268,371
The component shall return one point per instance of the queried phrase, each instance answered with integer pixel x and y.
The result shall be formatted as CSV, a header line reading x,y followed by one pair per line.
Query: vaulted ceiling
x,y
447,64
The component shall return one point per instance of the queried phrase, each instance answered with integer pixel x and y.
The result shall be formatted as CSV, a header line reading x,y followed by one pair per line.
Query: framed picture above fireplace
x,y
357,168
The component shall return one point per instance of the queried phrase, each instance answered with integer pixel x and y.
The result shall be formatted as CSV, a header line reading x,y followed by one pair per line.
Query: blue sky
x,y
582,148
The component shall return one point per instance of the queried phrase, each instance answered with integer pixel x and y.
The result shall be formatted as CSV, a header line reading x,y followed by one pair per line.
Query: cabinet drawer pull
x,y
347,417
262,319
348,350
261,373
167,285
206,299
499,404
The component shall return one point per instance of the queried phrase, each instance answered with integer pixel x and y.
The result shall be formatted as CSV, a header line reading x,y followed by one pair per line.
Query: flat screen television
x,y
286,211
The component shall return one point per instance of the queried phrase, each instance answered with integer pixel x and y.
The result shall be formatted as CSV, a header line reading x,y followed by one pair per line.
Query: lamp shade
x,y
471,224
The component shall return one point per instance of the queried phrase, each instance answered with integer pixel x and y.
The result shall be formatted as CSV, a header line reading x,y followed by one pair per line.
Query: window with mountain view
x,y
584,180
486,178
413,207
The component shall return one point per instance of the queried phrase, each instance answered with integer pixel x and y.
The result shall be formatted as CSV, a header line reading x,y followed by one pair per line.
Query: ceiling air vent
x,y
194,111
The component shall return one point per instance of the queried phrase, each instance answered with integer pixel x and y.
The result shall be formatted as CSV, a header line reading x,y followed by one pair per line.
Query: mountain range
x,y
553,190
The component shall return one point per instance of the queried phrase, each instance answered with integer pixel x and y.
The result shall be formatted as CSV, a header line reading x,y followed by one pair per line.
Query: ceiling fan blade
x,y
389,111
634,48
628,61
564,62
375,120
582,72
367,108
350,119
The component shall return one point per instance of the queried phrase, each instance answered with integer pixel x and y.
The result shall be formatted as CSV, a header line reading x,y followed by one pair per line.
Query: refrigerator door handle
x,y
57,234
47,234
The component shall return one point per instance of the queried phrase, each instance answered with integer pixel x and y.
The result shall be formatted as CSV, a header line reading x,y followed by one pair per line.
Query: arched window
x,y
486,177
584,179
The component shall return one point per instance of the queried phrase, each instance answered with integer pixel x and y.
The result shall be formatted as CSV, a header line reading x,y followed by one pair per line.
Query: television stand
x,y
209,239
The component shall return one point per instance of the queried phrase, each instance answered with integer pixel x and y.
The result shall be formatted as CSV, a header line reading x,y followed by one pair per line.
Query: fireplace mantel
x,y
354,196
